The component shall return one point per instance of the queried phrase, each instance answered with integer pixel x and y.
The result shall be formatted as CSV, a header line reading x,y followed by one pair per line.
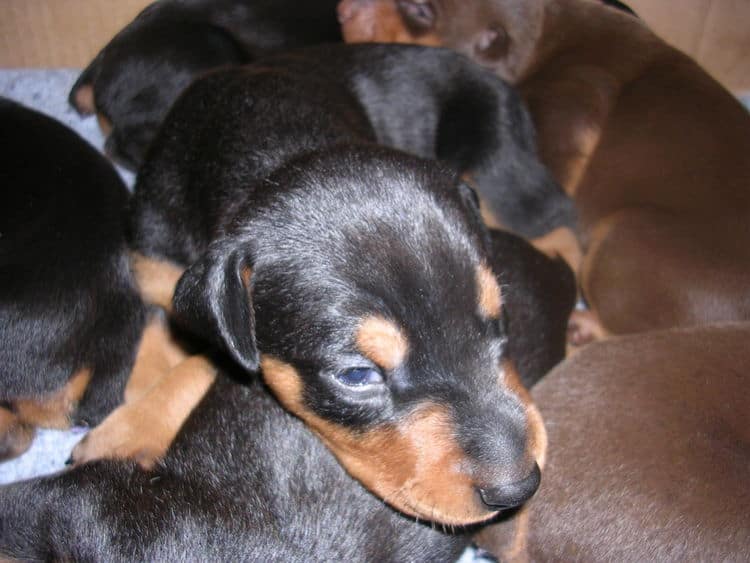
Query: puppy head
x,y
499,34
136,77
361,288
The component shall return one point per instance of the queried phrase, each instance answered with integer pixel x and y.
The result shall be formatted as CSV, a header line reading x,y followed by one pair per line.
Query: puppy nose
x,y
513,494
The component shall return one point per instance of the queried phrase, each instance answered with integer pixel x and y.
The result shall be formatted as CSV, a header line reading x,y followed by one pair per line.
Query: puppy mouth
x,y
432,513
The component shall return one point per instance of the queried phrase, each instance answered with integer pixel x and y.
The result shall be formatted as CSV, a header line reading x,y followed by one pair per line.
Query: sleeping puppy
x,y
653,150
245,477
648,458
70,315
135,78
355,278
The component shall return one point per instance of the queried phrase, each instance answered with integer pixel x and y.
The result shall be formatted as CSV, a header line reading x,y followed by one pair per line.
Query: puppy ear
x,y
213,300
81,95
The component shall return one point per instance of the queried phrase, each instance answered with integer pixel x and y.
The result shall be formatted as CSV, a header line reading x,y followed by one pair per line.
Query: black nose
x,y
513,494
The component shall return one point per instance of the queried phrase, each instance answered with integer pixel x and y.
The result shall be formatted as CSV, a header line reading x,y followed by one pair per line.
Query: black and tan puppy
x,y
650,147
649,450
245,479
135,78
356,277
70,316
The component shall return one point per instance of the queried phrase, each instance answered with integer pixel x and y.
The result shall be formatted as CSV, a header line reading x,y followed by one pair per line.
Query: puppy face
x,y
362,291
498,34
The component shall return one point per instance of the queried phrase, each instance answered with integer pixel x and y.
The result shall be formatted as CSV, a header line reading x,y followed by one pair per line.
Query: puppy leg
x,y
15,436
144,429
157,354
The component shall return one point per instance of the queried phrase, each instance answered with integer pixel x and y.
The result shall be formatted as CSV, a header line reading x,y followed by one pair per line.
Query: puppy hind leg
x,y
158,352
144,429
650,269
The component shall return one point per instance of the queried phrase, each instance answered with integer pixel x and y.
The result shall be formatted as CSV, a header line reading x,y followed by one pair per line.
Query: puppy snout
x,y
511,495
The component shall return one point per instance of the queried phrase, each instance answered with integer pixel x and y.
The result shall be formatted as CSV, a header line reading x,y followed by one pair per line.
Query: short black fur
x,y
68,298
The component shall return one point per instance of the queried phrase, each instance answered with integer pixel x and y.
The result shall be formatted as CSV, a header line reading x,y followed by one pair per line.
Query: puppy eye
x,y
492,43
418,13
356,377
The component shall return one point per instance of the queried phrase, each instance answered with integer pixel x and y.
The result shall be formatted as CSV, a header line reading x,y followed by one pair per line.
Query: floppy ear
x,y
213,300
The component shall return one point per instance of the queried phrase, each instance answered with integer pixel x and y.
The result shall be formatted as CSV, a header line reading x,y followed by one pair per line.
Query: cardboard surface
x,y
716,33
68,33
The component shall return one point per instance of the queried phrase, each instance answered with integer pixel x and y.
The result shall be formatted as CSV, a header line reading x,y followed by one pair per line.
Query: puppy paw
x,y
584,327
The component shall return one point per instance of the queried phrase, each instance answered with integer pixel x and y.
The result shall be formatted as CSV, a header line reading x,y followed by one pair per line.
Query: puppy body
x,y
70,316
640,470
652,149
135,78
356,277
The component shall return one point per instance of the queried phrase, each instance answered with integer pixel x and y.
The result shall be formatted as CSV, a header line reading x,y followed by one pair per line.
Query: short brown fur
x,y
649,451
158,353
489,294
383,342
144,429
156,279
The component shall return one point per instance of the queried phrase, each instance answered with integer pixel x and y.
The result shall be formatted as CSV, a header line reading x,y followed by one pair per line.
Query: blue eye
x,y
359,376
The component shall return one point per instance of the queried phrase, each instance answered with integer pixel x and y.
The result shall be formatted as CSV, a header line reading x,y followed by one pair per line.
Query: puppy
x,y
641,471
70,315
263,471
135,78
355,278
653,151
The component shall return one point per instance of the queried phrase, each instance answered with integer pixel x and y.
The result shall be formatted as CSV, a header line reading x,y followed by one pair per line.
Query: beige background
x,y
68,33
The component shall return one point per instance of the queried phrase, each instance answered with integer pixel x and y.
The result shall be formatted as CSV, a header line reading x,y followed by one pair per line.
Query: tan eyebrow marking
x,y
488,292
382,341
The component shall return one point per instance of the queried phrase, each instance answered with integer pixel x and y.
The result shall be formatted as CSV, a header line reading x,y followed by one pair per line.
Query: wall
x,y
68,33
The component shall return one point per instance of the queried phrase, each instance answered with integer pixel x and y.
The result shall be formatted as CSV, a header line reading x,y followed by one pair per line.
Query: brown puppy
x,y
637,471
654,151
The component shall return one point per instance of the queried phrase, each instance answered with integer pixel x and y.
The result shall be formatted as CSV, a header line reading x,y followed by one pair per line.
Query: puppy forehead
x,y
367,216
